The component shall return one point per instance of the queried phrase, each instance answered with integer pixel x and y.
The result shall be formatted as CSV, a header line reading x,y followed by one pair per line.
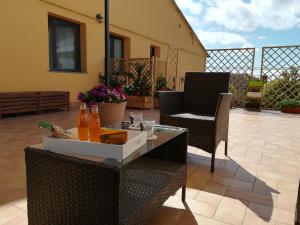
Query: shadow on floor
x,y
257,191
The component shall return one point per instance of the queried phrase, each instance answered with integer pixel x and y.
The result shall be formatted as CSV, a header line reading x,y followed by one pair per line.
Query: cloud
x,y
248,16
248,45
192,6
261,37
221,37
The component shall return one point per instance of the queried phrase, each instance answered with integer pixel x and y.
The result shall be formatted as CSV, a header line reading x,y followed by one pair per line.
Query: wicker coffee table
x,y
76,190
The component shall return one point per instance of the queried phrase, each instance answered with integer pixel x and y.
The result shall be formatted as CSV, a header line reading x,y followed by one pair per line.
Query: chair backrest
x,y
201,91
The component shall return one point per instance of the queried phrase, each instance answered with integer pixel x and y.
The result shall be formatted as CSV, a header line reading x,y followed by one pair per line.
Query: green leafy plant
x,y
288,103
277,90
161,84
140,82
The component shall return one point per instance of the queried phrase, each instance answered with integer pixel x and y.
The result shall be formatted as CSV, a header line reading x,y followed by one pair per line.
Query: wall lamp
x,y
99,18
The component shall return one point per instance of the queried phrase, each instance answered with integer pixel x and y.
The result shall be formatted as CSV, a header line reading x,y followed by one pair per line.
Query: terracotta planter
x,y
140,102
111,113
295,110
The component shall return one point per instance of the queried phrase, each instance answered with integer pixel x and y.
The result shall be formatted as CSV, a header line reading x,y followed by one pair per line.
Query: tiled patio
x,y
257,183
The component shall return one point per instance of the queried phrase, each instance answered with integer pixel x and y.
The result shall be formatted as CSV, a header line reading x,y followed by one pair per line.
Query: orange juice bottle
x,y
83,123
95,125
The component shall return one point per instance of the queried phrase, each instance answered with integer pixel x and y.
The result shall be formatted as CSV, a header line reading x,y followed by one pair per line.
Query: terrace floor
x,y
257,183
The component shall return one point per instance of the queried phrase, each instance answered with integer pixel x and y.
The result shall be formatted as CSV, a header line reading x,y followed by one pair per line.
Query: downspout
x,y
107,44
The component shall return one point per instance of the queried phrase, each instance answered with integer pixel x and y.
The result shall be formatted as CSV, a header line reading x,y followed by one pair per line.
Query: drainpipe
x,y
107,44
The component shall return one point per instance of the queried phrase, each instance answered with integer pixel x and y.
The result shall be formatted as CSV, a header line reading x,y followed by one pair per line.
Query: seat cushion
x,y
201,128
193,116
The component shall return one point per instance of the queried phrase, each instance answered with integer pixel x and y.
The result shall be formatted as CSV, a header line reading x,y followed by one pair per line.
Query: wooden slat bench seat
x,y
18,102
50,100
23,102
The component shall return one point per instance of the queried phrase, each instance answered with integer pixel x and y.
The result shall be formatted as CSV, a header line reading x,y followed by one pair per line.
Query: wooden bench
x,y
23,102
51,100
18,102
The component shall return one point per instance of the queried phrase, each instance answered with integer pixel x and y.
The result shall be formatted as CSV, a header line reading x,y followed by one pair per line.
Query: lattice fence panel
x,y
236,60
172,70
280,67
239,62
125,71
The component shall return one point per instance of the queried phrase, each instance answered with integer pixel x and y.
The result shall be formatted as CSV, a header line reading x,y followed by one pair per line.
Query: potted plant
x,y
139,91
289,106
161,85
111,102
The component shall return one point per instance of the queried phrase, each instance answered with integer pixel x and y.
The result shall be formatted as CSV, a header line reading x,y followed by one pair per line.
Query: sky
x,y
244,23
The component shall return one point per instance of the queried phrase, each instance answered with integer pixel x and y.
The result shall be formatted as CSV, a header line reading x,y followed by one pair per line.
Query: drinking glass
x,y
149,126
137,118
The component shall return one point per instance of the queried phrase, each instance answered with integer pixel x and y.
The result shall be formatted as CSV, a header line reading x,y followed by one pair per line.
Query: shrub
x,y
281,89
289,103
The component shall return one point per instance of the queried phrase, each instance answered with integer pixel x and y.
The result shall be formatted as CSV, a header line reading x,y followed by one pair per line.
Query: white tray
x,y
136,139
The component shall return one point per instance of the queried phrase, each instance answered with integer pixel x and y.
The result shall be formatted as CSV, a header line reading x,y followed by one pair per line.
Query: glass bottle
x,y
95,125
83,123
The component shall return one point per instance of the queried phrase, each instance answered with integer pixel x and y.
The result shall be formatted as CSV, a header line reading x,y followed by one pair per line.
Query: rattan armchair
x,y
203,108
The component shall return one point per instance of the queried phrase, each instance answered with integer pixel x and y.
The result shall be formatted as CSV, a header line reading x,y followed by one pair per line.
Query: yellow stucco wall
x,y
24,57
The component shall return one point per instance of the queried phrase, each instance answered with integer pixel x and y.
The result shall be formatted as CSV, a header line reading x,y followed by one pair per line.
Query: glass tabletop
x,y
163,133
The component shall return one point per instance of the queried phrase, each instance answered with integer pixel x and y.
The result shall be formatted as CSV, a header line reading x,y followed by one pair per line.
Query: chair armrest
x,y
170,102
222,113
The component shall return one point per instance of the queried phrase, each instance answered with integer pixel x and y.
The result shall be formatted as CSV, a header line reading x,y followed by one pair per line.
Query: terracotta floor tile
x,y
208,197
256,220
9,213
201,208
289,170
232,182
279,177
267,200
287,186
231,211
275,214
243,174
228,165
167,216
265,145
254,154
261,211
265,186
20,220
215,188
269,161
194,219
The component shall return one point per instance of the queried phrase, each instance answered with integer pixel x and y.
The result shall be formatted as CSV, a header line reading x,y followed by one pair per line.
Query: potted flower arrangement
x,y
289,106
111,102
139,91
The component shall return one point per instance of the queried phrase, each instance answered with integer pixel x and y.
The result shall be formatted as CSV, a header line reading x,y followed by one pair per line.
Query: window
x,y
154,51
116,47
64,45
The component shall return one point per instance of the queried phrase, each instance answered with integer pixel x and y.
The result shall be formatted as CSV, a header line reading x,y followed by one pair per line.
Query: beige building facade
x,y
58,45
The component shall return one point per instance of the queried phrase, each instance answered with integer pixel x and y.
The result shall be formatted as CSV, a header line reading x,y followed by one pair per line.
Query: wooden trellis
x,y
124,71
280,67
239,62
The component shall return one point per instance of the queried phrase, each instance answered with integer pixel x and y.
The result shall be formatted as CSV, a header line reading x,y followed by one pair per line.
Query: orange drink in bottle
x,y
83,123
95,125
